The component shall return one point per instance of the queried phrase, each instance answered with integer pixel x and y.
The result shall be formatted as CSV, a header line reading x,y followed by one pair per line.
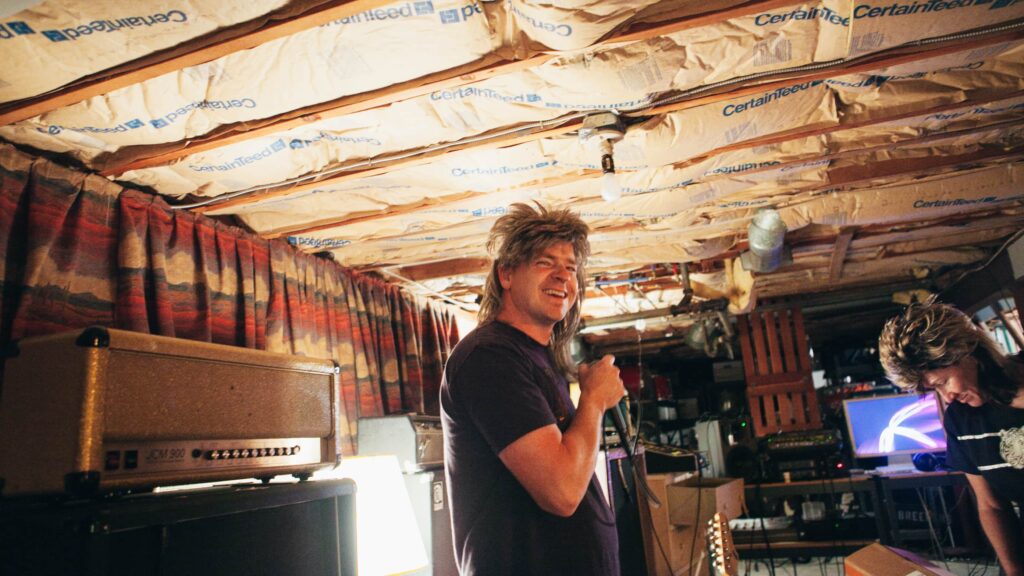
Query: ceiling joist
x,y
107,82
835,269
483,69
840,177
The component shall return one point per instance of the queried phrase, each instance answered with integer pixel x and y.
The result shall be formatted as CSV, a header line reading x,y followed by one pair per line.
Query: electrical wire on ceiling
x,y
431,291
1002,248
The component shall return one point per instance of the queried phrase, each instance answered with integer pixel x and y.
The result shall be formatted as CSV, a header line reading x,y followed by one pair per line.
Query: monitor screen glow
x,y
892,425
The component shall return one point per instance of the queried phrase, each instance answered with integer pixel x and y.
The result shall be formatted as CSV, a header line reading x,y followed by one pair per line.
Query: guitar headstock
x,y
721,551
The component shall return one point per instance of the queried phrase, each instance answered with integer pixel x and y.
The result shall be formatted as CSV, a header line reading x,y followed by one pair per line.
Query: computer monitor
x,y
894,425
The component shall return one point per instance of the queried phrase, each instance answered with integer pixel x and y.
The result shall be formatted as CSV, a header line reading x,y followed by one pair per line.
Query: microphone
x,y
619,421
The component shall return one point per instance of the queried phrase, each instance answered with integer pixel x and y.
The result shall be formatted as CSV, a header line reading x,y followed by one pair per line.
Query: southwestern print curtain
x,y
79,250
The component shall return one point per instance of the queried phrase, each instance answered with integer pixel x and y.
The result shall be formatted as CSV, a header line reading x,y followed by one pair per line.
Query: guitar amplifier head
x,y
103,410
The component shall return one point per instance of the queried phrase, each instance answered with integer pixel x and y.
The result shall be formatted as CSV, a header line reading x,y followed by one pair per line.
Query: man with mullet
x,y
935,347
519,458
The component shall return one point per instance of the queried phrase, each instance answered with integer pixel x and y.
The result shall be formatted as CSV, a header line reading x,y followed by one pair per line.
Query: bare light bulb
x,y
610,189
640,325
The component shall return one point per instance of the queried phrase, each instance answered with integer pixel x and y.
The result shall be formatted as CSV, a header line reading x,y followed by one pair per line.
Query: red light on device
x,y
839,465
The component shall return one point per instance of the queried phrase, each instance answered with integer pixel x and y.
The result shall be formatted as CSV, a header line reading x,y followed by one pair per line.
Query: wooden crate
x,y
777,361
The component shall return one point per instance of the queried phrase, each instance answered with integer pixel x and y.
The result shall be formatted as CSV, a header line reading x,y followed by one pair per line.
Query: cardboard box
x,y
879,560
679,526
722,495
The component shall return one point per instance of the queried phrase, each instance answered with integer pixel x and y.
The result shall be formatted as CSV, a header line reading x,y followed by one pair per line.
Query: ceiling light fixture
x,y
766,236
607,128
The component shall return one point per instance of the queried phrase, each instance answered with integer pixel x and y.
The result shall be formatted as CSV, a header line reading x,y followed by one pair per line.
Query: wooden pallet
x,y
777,363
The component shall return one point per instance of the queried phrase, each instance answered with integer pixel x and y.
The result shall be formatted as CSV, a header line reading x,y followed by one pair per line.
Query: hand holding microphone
x,y
602,380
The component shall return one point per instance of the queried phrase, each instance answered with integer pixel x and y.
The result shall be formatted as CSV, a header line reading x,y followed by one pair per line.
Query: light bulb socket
x,y
603,125
607,164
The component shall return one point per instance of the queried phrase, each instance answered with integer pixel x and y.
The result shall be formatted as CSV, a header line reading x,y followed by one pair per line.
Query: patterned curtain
x,y
79,250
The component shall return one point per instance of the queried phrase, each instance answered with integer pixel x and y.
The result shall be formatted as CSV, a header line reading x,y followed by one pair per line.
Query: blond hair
x,y
518,237
931,335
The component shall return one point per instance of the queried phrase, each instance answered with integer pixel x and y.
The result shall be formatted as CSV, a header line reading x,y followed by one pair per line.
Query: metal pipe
x,y
704,306
684,279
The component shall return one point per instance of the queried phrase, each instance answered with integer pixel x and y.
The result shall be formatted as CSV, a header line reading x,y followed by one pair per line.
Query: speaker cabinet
x,y
301,529
620,486
429,498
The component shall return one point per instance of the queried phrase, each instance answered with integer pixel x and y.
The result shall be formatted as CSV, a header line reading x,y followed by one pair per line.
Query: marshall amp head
x,y
105,410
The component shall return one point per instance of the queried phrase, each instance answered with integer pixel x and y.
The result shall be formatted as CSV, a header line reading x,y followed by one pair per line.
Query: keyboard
x,y
754,524
895,469
776,529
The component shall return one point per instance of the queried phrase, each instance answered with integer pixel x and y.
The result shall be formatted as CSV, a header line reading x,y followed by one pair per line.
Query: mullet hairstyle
x,y
932,335
519,236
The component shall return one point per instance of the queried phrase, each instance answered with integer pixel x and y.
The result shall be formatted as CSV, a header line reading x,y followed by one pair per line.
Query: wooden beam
x,y
446,268
485,68
22,110
866,64
982,229
482,69
388,167
566,128
835,269
139,158
327,224
1011,326
359,217
795,135
886,168
891,168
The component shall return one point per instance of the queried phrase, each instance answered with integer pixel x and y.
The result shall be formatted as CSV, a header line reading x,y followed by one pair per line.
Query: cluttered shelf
x,y
796,548
804,487
878,517
867,482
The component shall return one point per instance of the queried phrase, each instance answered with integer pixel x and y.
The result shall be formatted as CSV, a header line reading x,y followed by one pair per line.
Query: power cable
x,y
696,521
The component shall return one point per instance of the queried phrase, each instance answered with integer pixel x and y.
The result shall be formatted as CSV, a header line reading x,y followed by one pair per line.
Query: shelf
x,y
801,548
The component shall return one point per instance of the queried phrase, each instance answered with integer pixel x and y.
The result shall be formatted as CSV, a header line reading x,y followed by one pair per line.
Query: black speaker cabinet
x,y
622,494
429,498
299,529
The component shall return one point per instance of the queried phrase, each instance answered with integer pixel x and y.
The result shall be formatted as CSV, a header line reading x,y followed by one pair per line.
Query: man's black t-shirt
x,y
989,441
499,385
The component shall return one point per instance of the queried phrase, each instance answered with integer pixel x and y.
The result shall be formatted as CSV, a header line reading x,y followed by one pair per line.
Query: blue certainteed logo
x,y
241,161
742,203
818,13
410,10
12,29
488,212
501,170
877,80
55,129
927,7
978,111
741,167
957,202
488,93
564,30
171,117
456,15
118,25
317,242
763,99
299,143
